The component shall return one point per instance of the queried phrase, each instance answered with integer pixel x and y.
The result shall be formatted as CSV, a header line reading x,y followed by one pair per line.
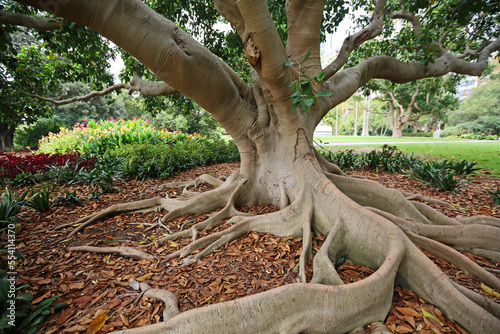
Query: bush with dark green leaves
x,y
163,160
30,135
446,174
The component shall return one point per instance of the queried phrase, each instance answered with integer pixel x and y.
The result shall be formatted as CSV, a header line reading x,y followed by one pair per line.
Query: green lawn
x,y
486,154
347,139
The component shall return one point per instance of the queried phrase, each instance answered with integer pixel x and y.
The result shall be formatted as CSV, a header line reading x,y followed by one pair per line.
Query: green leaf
x,y
27,296
289,63
307,55
324,93
309,101
60,306
320,76
16,254
307,89
430,315
294,106
296,99
305,107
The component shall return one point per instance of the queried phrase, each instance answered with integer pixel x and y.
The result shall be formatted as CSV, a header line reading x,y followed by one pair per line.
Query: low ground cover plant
x,y
96,137
448,175
28,317
14,163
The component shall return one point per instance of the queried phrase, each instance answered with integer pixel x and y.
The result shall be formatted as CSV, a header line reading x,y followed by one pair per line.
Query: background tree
x,y
271,110
71,113
35,61
407,103
479,112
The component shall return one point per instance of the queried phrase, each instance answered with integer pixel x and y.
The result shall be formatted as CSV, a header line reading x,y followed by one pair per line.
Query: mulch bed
x,y
95,285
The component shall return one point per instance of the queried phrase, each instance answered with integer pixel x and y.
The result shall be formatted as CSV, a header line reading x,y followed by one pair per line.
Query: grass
x,y
485,154
356,139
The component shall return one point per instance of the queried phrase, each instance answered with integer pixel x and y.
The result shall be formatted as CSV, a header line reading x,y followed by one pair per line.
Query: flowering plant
x,y
96,137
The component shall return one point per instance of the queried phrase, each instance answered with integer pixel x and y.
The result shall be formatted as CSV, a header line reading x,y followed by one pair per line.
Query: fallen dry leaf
x,y
97,323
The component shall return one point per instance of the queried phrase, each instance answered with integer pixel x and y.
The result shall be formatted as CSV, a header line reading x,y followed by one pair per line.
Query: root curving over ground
x,y
362,221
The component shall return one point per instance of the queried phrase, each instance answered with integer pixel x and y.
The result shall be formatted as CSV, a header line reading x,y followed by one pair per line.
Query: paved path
x,y
402,142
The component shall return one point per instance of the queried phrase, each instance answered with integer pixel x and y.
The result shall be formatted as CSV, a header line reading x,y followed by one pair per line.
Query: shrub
x,y
10,204
95,138
444,175
347,159
162,160
69,198
27,136
437,175
16,163
418,134
40,201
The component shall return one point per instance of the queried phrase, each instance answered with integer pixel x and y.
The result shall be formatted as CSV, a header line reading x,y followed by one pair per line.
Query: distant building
x,y
330,48
323,130
466,86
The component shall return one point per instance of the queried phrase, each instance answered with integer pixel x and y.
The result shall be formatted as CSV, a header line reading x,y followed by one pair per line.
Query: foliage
x,y
445,174
438,176
69,198
480,112
39,201
27,136
162,160
27,317
95,138
304,95
37,65
495,194
23,179
476,129
11,204
97,107
16,163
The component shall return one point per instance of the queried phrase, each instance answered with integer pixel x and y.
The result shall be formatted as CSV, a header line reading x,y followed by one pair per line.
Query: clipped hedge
x,y
162,160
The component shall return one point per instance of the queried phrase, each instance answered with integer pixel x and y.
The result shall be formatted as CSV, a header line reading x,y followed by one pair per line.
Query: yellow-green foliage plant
x,y
91,137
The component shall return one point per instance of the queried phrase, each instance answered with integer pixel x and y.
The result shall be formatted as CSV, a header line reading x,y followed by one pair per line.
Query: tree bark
x,y
6,137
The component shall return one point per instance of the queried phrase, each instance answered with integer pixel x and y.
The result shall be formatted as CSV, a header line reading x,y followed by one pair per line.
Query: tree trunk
x,y
397,132
366,117
6,137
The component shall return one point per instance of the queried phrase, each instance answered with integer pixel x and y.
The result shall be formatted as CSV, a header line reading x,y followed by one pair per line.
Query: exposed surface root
x,y
167,297
147,205
228,210
365,224
203,202
205,178
328,255
410,196
313,308
120,250
482,220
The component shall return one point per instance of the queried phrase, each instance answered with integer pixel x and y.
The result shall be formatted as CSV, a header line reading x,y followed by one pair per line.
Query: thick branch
x,y
173,55
352,42
230,11
148,88
266,53
412,18
304,21
37,23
